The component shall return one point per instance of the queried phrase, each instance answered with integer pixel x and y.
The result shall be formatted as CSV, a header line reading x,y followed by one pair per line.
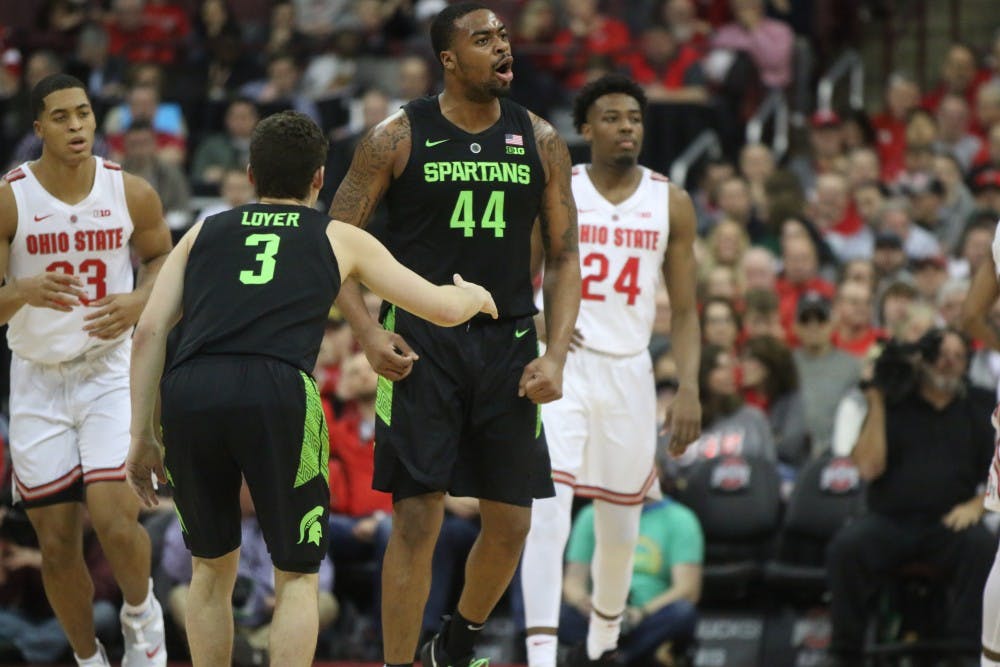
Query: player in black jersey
x,y
254,286
465,175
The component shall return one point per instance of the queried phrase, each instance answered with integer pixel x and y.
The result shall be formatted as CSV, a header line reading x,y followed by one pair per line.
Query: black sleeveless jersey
x,y
466,203
260,280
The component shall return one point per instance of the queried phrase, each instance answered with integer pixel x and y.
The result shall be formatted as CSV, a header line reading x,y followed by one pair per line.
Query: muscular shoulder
x,y
8,210
682,216
551,147
143,202
385,142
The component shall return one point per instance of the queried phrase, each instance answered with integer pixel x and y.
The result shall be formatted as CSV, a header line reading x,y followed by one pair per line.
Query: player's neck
x,y
70,182
615,182
282,201
467,114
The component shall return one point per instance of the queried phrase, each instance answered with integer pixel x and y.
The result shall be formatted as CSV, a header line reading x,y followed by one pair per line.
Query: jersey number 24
x,y
626,283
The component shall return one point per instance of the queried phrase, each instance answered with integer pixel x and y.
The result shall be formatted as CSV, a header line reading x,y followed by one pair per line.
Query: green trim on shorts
x,y
177,510
383,394
314,457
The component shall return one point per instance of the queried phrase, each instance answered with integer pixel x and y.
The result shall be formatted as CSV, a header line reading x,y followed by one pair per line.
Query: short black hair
x,y
606,85
49,85
443,26
286,149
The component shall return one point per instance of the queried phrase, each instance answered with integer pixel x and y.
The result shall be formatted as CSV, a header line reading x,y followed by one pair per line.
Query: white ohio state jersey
x,y
621,255
89,239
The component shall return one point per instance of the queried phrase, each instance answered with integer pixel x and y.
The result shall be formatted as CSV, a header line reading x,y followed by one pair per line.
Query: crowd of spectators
x,y
807,262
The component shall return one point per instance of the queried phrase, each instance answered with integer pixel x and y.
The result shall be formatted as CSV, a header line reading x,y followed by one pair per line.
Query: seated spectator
x,y
135,38
141,158
143,104
758,269
917,241
986,186
253,595
948,302
975,244
902,95
756,166
720,324
858,132
767,40
760,315
103,74
834,214
771,382
235,190
960,75
929,277
859,270
826,373
666,70
665,586
987,109
957,202
826,149
862,166
853,331
889,261
735,203
725,244
729,426
280,89
222,151
933,439
954,120
924,195
800,274
682,18
27,622
894,304
589,34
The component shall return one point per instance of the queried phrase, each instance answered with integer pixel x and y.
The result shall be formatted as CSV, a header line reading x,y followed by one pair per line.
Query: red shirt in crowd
x,y
611,38
670,77
352,467
859,345
890,132
788,300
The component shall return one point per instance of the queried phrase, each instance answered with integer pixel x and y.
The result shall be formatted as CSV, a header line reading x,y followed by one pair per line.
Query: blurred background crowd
x,y
843,157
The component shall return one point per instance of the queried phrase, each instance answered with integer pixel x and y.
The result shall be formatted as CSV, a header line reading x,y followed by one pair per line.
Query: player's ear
x,y
317,180
586,132
37,127
250,176
447,60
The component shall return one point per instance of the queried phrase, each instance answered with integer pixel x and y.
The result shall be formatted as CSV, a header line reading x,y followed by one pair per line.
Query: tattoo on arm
x,y
558,167
370,173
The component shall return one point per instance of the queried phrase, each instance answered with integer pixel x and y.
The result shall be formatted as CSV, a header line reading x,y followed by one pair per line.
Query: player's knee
x,y
116,531
417,521
509,534
59,548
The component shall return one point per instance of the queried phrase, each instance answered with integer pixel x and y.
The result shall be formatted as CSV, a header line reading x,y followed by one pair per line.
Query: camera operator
x,y
924,447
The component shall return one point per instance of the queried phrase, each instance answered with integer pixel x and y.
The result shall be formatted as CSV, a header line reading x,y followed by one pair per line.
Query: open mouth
x,y
504,69
78,143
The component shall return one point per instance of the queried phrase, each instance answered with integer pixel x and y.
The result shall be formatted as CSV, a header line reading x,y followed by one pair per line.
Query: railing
x,y
706,143
774,105
849,63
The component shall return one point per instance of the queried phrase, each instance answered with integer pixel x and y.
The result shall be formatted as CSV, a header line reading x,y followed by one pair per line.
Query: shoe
x,y
577,657
145,643
432,653
103,654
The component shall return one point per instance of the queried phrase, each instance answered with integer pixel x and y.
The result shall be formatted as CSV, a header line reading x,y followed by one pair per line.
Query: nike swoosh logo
x,y
150,654
432,144
39,218
519,334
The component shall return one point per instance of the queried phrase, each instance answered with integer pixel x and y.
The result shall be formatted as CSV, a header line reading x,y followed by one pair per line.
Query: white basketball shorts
x,y
69,422
602,433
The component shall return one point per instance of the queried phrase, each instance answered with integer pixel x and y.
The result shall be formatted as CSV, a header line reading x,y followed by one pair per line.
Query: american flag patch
x,y
513,140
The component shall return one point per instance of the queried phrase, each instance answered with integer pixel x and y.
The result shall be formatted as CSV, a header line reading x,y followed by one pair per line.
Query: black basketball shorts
x,y
456,422
232,417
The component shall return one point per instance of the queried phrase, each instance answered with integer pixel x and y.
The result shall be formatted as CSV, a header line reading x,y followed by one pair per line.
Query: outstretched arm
x,y
385,148
542,378
684,414
360,255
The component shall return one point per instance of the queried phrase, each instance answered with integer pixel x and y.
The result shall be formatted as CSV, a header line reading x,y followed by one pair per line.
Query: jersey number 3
x,y
265,271
627,281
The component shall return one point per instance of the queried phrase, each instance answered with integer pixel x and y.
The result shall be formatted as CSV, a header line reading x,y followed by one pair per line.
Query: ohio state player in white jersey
x,y
68,224
983,294
633,225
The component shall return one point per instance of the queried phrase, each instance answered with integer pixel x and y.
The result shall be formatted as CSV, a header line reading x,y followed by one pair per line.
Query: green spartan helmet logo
x,y
311,526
